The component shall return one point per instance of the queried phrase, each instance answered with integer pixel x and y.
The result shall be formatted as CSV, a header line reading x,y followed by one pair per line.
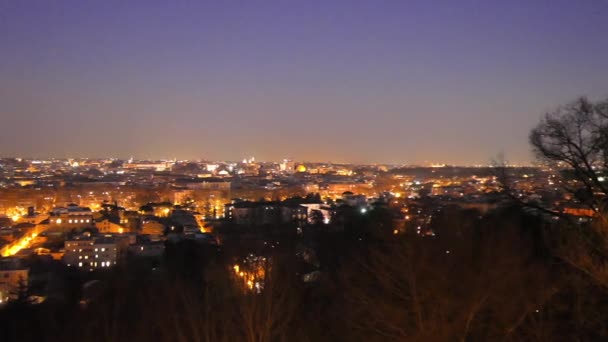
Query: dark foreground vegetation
x,y
508,275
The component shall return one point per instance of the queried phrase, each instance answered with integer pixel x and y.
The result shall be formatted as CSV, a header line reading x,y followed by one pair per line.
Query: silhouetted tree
x,y
316,217
575,136
313,198
21,293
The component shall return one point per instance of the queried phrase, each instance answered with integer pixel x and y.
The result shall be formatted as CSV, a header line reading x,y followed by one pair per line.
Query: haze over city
x,y
397,82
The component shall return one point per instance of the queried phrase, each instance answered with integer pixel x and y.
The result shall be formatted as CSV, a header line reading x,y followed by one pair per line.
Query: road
x,y
25,241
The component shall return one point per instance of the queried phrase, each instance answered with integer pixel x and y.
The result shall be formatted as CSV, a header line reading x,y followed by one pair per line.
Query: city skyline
x,y
253,160
401,84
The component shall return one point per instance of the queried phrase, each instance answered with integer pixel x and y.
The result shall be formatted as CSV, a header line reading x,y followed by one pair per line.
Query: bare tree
x,y
505,180
269,314
575,136
447,289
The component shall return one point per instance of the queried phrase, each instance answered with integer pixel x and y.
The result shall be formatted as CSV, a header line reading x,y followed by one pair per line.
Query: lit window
x,y
79,264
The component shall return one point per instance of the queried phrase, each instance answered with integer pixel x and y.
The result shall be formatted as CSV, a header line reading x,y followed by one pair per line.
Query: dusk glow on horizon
x,y
366,82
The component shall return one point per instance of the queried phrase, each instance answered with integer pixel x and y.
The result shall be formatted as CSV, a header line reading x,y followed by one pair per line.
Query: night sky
x,y
347,81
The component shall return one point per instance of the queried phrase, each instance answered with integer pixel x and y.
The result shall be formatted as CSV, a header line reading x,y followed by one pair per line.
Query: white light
x,y
363,210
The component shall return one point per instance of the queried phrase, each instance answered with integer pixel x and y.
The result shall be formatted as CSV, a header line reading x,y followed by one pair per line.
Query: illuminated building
x,y
261,213
152,227
581,212
147,249
211,167
335,189
204,184
90,253
161,166
109,226
72,217
287,166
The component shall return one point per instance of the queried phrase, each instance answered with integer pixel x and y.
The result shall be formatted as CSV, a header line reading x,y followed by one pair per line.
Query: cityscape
x,y
319,171
86,221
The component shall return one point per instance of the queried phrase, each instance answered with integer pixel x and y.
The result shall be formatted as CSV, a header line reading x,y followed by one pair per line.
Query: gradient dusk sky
x,y
346,81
